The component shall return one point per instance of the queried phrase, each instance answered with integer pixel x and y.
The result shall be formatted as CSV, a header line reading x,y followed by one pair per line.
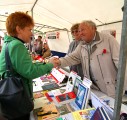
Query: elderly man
x,y
99,56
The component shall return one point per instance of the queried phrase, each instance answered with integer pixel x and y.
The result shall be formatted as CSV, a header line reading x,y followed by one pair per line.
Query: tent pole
x,y
32,39
109,23
121,66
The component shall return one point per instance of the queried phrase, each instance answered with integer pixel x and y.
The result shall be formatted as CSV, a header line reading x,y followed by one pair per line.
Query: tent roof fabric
x,y
61,14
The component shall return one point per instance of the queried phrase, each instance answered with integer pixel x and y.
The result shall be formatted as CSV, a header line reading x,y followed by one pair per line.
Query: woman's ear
x,y
18,29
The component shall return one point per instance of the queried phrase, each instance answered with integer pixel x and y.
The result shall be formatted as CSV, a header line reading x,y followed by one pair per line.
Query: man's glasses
x,y
74,31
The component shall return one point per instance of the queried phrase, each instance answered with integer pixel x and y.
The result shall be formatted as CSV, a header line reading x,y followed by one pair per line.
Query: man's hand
x,y
55,61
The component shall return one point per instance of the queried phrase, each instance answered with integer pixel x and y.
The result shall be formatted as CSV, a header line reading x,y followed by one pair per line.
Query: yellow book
x,y
85,114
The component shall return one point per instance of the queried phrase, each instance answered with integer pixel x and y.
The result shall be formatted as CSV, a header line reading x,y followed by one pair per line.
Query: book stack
x,y
100,114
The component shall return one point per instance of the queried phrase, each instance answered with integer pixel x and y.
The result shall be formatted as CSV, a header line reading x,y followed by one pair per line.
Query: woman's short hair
x,y
20,19
75,27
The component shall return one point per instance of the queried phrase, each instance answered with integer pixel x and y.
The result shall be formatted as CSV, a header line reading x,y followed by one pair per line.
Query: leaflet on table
x,y
57,75
54,92
37,84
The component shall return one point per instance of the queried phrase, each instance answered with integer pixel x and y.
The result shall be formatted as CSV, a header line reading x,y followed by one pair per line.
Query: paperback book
x,y
63,109
50,86
82,96
48,112
68,116
65,98
78,80
71,81
85,114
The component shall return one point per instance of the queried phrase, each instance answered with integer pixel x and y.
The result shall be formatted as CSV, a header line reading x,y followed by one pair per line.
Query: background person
x,y
19,32
46,52
75,34
99,56
38,44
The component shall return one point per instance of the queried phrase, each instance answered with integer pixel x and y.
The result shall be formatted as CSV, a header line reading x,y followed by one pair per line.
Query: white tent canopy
x,y
61,14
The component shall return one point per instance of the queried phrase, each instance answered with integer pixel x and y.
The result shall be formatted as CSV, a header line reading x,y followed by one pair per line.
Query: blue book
x,y
82,96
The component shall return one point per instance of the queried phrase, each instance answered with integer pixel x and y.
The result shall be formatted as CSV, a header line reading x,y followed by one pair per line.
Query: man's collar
x,y
94,36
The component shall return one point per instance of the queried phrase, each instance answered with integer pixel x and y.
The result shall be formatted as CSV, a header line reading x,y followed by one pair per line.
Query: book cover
x,y
49,97
51,94
65,97
63,109
68,116
98,115
71,81
85,114
82,96
48,112
38,95
78,80
50,86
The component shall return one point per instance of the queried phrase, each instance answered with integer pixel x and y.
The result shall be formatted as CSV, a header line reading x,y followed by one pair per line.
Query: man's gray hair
x,y
89,23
